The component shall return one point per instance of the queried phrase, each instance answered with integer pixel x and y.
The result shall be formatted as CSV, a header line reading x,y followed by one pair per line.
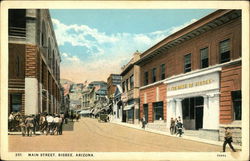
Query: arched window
x,y
43,36
49,52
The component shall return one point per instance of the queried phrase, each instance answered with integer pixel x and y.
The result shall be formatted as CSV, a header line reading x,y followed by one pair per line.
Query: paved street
x,y
88,135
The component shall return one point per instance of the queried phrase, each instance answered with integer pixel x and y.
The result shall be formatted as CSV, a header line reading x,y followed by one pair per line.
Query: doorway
x,y
145,111
192,109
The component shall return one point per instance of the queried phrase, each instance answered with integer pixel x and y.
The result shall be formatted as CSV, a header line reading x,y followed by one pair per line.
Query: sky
x,y
95,43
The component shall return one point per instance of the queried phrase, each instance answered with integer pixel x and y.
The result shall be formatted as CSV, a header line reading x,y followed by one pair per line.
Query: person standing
x,y
22,126
29,122
60,124
50,120
56,124
172,126
228,140
179,128
143,121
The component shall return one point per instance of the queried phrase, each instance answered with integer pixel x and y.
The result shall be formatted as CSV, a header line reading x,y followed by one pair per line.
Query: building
x,y
117,104
112,81
195,74
65,99
130,87
34,62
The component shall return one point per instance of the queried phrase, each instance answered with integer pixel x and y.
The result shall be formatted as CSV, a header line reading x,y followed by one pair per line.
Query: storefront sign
x,y
190,85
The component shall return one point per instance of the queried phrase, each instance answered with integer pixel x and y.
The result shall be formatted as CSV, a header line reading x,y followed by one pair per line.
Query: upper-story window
x,y
153,75
204,57
187,63
145,78
123,86
17,22
236,99
225,51
131,81
126,84
43,36
162,71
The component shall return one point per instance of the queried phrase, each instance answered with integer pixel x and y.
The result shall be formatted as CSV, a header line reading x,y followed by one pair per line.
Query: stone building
x,y
195,74
130,88
34,62
112,81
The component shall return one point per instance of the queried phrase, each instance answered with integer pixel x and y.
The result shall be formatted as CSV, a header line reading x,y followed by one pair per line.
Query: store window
x,y
162,71
153,75
16,102
146,78
204,57
131,79
158,110
187,63
236,99
225,51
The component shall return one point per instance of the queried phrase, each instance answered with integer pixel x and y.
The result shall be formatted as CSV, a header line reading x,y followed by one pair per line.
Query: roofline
x,y
201,22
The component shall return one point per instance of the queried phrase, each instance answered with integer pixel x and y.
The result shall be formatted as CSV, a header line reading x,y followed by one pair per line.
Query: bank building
x,y
195,74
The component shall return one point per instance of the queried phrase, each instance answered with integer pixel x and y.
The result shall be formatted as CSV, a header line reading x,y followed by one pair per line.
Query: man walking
x,y
228,140
172,126
143,121
29,122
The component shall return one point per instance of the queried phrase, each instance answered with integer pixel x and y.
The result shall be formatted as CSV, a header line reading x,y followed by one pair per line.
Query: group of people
x,y
30,124
176,126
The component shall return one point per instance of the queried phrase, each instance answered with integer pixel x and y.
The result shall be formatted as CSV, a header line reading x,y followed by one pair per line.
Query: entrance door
x,y
145,111
198,117
198,112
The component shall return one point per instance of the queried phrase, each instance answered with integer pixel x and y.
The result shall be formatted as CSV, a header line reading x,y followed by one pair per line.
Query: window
x,y
187,63
126,84
224,51
153,75
204,57
236,99
162,71
131,81
145,78
158,110
16,102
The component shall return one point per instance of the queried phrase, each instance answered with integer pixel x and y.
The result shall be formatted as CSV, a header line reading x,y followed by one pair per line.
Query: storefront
x,y
194,97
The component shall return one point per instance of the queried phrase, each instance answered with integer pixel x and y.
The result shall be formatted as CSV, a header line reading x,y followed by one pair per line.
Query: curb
x,y
218,143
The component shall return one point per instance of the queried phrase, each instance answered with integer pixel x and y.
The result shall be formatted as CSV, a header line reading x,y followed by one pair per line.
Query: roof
x,y
203,25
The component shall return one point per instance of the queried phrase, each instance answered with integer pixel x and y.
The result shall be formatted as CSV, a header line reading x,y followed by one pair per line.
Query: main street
x,y
89,135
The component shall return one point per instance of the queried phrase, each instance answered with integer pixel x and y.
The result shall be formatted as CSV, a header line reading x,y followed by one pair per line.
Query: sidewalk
x,y
138,127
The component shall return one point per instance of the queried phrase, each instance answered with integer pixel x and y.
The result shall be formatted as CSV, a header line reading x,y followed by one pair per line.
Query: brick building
x,y
34,62
195,73
112,81
130,88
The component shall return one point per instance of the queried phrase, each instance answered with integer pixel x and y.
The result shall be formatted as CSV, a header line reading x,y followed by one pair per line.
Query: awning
x,y
96,111
128,107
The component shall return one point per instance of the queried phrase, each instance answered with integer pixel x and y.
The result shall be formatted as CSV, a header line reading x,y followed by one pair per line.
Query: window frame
x,y
233,104
201,60
220,53
131,82
154,75
189,68
163,71
157,106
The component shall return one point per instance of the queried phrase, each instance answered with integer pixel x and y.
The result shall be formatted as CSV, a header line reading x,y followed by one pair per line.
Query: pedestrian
x,y
11,121
50,120
143,120
228,140
22,125
179,128
43,123
34,124
175,126
60,126
77,117
172,126
29,122
56,124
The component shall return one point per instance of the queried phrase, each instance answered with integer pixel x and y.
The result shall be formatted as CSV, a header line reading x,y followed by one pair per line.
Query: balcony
x,y
17,32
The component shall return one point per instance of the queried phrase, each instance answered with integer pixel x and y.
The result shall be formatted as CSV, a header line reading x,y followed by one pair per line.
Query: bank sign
x,y
193,83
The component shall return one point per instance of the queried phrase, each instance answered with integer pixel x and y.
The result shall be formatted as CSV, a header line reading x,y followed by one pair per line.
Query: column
x,y
179,108
214,107
205,113
31,96
169,111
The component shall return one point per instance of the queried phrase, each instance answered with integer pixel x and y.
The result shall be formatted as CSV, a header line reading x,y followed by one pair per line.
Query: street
x,y
89,135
